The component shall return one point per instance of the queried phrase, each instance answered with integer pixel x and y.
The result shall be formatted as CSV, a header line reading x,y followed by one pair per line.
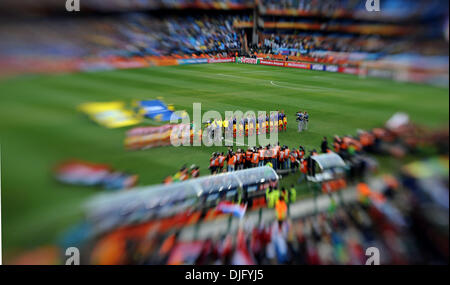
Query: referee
x,y
299,120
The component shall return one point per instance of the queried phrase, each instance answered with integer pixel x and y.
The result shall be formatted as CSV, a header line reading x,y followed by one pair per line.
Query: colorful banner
x,y
75,172
319,67
192,61
163,61
221,60
300,65
305,65
168,135
349,70
155,110
247,60
230,208
381,73
271,62
121,63
110,114
149,137
331,68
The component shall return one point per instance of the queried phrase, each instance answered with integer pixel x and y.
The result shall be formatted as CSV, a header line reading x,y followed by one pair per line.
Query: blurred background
x,y
383,107
409,38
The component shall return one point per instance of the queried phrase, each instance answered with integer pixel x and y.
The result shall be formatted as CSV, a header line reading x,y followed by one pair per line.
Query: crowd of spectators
x,y
392,9
320,7
44,6
127,35
124,35
304,44
424,19
335,238
307,44
313,6
390,218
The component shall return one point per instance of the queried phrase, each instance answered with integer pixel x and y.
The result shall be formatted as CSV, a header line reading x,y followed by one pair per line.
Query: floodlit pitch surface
x,y
41,127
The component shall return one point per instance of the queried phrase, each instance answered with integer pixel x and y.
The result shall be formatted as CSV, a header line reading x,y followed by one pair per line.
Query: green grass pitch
x,y
40,126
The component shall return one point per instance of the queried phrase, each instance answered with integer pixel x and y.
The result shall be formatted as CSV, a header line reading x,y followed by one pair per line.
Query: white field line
x,y
301,87
229,75
260,81
339,92
257,71
309,87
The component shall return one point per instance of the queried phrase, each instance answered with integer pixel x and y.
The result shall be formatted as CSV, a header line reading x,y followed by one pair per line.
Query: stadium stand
x,y
113,35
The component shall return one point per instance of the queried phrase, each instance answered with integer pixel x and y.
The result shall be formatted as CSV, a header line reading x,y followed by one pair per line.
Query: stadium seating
x,y
66,43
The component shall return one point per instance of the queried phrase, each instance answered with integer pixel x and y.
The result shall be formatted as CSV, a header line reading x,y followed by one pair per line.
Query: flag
x,y
156,110
230,208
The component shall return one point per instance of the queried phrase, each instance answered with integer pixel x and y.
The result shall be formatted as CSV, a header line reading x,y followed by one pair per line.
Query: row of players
x,y
249,125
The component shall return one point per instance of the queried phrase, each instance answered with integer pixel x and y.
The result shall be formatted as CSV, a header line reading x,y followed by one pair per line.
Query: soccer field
x,y
40,126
